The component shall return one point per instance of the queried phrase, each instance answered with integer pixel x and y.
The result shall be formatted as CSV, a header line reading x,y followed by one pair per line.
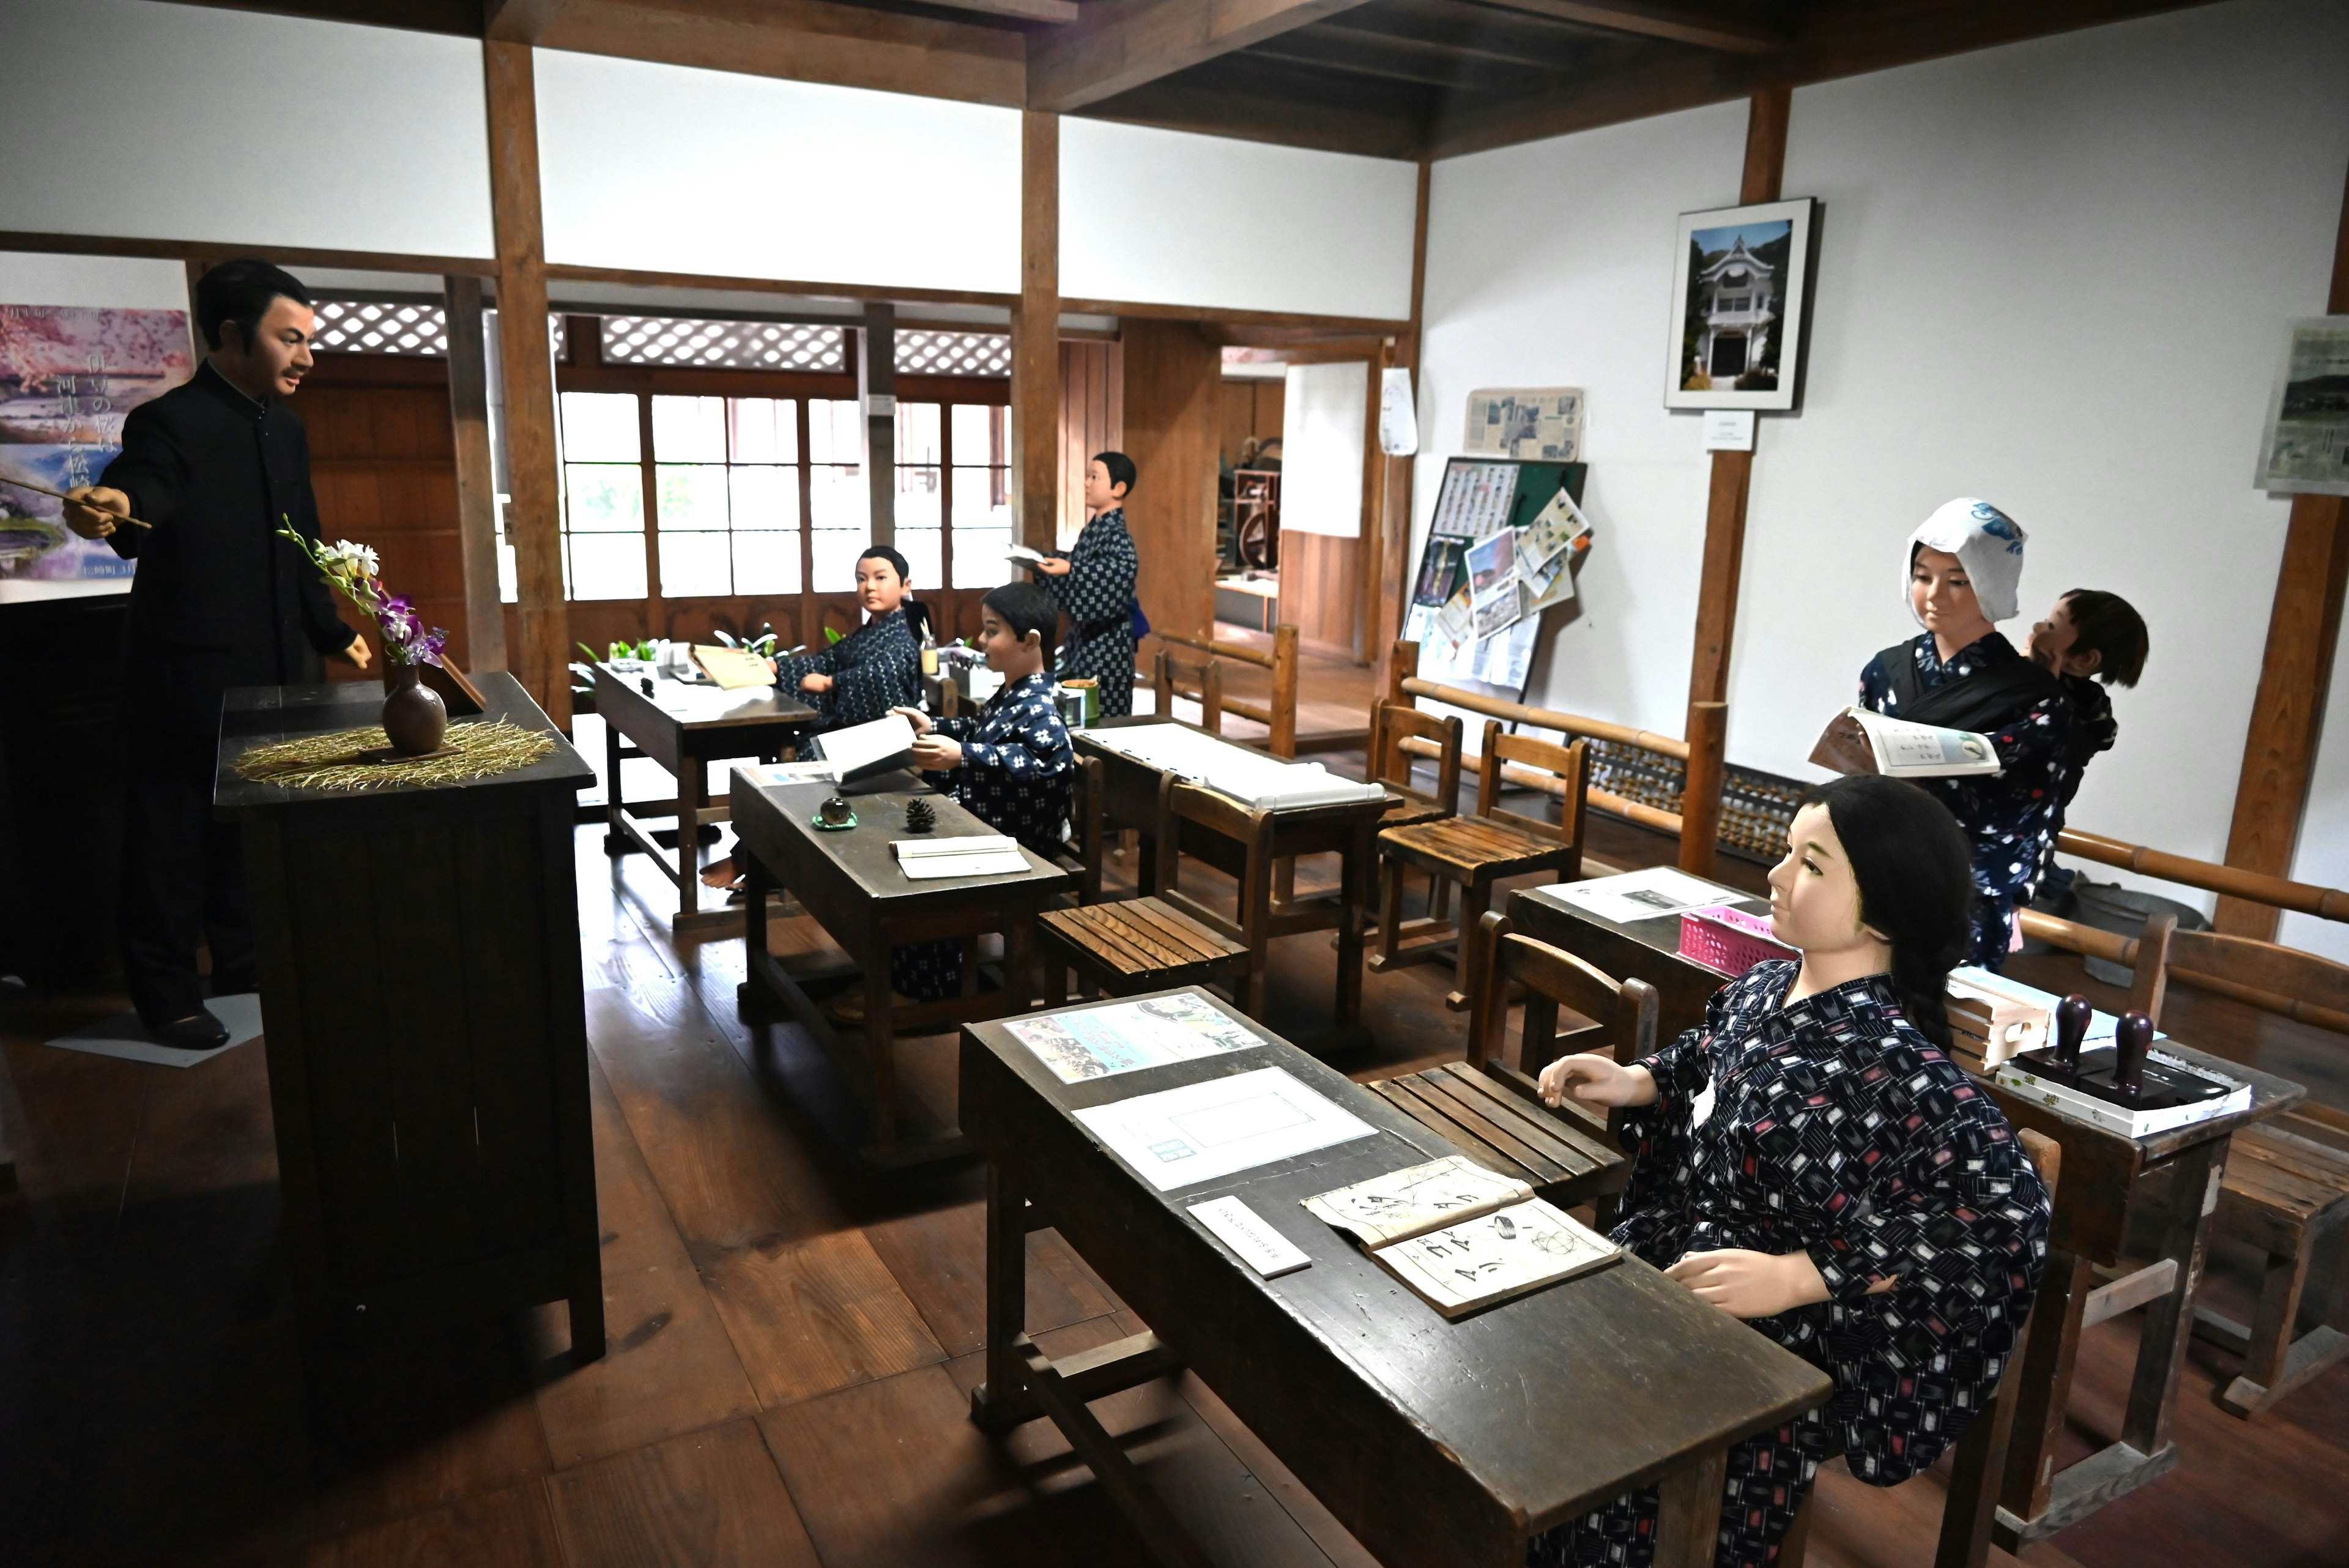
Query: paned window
x,y
840,501
980,466
724,344
921,494
954,353
602,497
727,495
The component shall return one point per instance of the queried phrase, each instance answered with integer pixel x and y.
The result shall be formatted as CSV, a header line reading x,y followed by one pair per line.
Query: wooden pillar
x,y
876,392
527,366
1724,539
1036,335
1171,376
477,500
1369,590
1390,566
2288,713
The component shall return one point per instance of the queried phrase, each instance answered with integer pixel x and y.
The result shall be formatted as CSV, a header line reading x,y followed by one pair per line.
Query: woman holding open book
x,y
1812,1162
1961,673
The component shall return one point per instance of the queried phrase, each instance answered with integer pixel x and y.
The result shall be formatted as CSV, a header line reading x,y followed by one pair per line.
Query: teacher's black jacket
x,y
218,599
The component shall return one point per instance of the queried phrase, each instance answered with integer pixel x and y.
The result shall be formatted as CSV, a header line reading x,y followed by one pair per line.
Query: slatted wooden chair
x,y
2286,1189
1472,852
1392,723
1201,681
1493,1111
1979,1464
1128,946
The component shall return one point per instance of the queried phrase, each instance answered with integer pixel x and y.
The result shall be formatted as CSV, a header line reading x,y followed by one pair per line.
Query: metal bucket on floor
x,y
2110,906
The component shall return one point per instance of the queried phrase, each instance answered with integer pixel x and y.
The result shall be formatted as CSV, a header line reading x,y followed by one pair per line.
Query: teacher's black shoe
x,y
198,1031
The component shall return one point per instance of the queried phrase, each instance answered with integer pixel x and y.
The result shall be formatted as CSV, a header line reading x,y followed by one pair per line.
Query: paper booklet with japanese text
x,y
1461,1236
1859,741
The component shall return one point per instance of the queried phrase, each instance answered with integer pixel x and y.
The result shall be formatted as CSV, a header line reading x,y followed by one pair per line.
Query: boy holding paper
x,y
1010,765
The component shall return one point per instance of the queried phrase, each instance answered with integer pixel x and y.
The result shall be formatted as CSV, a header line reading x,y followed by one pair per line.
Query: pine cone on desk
x,y
920,816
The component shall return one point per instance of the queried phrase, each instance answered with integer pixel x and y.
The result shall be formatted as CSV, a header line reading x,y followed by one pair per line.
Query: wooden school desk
x,y
1439,1445
1350,828
852,884
2102,1171
426,1026
685,728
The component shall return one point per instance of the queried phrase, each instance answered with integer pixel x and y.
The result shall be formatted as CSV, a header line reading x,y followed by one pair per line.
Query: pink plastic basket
x,y
1730,940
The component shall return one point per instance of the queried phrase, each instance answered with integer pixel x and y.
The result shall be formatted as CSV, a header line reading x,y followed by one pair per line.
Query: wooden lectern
x,y
422,1010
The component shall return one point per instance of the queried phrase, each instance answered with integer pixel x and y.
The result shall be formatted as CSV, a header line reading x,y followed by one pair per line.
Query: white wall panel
x,y
1168,217
2055,274
659,167
92,282
1551,264
141,120
1325,412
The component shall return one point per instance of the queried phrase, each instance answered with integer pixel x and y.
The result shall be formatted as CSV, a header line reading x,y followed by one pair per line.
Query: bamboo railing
x,y
1279,715
2230,881
2114,948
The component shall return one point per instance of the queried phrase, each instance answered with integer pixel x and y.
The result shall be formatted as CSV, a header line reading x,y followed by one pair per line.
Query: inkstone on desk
x,y
424,1023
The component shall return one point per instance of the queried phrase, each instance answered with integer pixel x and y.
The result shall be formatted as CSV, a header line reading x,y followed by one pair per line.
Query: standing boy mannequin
x,y
1093,582
217,466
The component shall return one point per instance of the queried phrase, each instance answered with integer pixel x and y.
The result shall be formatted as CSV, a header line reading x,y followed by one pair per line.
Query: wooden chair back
x,y
2265,975
1570,764
1624,1011
1201,680
1088,829
1392,723
1179,803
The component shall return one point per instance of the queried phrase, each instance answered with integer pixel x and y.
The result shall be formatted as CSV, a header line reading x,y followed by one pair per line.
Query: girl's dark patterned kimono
x,y
873,669
1835,1127
1097,596
1017,767
2094,731
2010,817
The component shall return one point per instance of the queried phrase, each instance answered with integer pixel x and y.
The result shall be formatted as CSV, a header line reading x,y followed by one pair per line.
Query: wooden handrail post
x,y
1708,734
1284,692
1401,667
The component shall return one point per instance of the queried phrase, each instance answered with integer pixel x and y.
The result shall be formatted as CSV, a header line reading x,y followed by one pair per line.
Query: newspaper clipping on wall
x,y
2307,446
1535,424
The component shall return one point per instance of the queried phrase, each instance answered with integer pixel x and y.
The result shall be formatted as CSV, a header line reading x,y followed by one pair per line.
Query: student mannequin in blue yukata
x,y
1811,1162
1010,765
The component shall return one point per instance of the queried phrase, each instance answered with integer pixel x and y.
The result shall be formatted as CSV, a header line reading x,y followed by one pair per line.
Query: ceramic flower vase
x,y
414,717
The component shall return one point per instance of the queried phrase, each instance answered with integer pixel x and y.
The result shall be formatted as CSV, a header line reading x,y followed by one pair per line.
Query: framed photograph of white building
x,y
1737,306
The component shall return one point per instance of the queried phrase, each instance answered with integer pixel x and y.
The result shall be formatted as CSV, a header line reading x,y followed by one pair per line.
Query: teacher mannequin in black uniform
x,y
218,601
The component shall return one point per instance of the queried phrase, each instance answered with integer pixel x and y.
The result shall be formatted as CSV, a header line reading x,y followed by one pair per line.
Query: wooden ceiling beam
x,y
1059,12
805,40
1633,80
1447,48
1359,54
1745,31
518,21
1118,46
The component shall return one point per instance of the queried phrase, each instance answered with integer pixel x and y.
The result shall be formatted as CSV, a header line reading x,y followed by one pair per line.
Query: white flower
x,y
345,559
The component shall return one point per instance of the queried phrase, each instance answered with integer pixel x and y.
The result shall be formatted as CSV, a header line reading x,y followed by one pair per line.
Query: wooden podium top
x,y
262,715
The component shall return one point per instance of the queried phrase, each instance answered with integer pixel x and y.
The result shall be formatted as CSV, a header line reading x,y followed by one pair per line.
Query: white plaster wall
x,y
1551,264
661,168
92,282
2053,274
1325,411
1169,217
139,119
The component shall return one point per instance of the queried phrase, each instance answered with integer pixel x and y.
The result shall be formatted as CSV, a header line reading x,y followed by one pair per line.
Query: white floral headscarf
x,y
1986,542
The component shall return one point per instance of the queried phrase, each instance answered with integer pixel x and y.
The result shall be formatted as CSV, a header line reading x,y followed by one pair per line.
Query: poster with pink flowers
x,y
68,378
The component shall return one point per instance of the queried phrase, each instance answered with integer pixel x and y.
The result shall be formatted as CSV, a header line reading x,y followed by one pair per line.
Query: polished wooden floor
x,y
792,1344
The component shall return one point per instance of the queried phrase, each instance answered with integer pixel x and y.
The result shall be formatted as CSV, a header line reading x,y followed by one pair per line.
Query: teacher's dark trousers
x,y
182,871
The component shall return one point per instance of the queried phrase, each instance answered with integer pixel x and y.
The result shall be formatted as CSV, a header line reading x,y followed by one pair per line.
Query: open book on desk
x,y
861,751
1462,1237
975,854
1858,741
1256,780
1024,556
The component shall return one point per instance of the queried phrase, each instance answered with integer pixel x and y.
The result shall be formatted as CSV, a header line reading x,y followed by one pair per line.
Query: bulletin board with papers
x,y
1501,551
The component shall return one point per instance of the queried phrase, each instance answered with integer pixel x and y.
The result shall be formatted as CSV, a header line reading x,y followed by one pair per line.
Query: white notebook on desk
x,y
1256,780
975,855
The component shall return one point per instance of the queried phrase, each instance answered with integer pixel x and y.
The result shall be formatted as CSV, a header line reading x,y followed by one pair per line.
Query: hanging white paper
x,y
1397,418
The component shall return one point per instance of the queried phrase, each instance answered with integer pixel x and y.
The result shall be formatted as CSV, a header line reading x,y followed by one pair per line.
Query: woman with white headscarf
x,y
1964,565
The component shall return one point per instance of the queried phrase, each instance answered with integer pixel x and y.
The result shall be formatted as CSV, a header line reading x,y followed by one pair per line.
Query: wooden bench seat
x,y
1504,1133
1135,945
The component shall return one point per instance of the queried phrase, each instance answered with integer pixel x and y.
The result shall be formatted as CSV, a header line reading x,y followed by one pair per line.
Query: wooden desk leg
x,y
692,795
881,1040
1688,1526
2043,1388
755,885
615,840
1020,961
2169,1320
993,1403
1358,875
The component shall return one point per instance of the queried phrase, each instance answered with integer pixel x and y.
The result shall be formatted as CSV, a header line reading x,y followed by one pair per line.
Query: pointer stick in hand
x,y
61,496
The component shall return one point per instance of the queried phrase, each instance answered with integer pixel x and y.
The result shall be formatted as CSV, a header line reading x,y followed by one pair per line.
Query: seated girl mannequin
x,y
873,669
1812,1162
1963,566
